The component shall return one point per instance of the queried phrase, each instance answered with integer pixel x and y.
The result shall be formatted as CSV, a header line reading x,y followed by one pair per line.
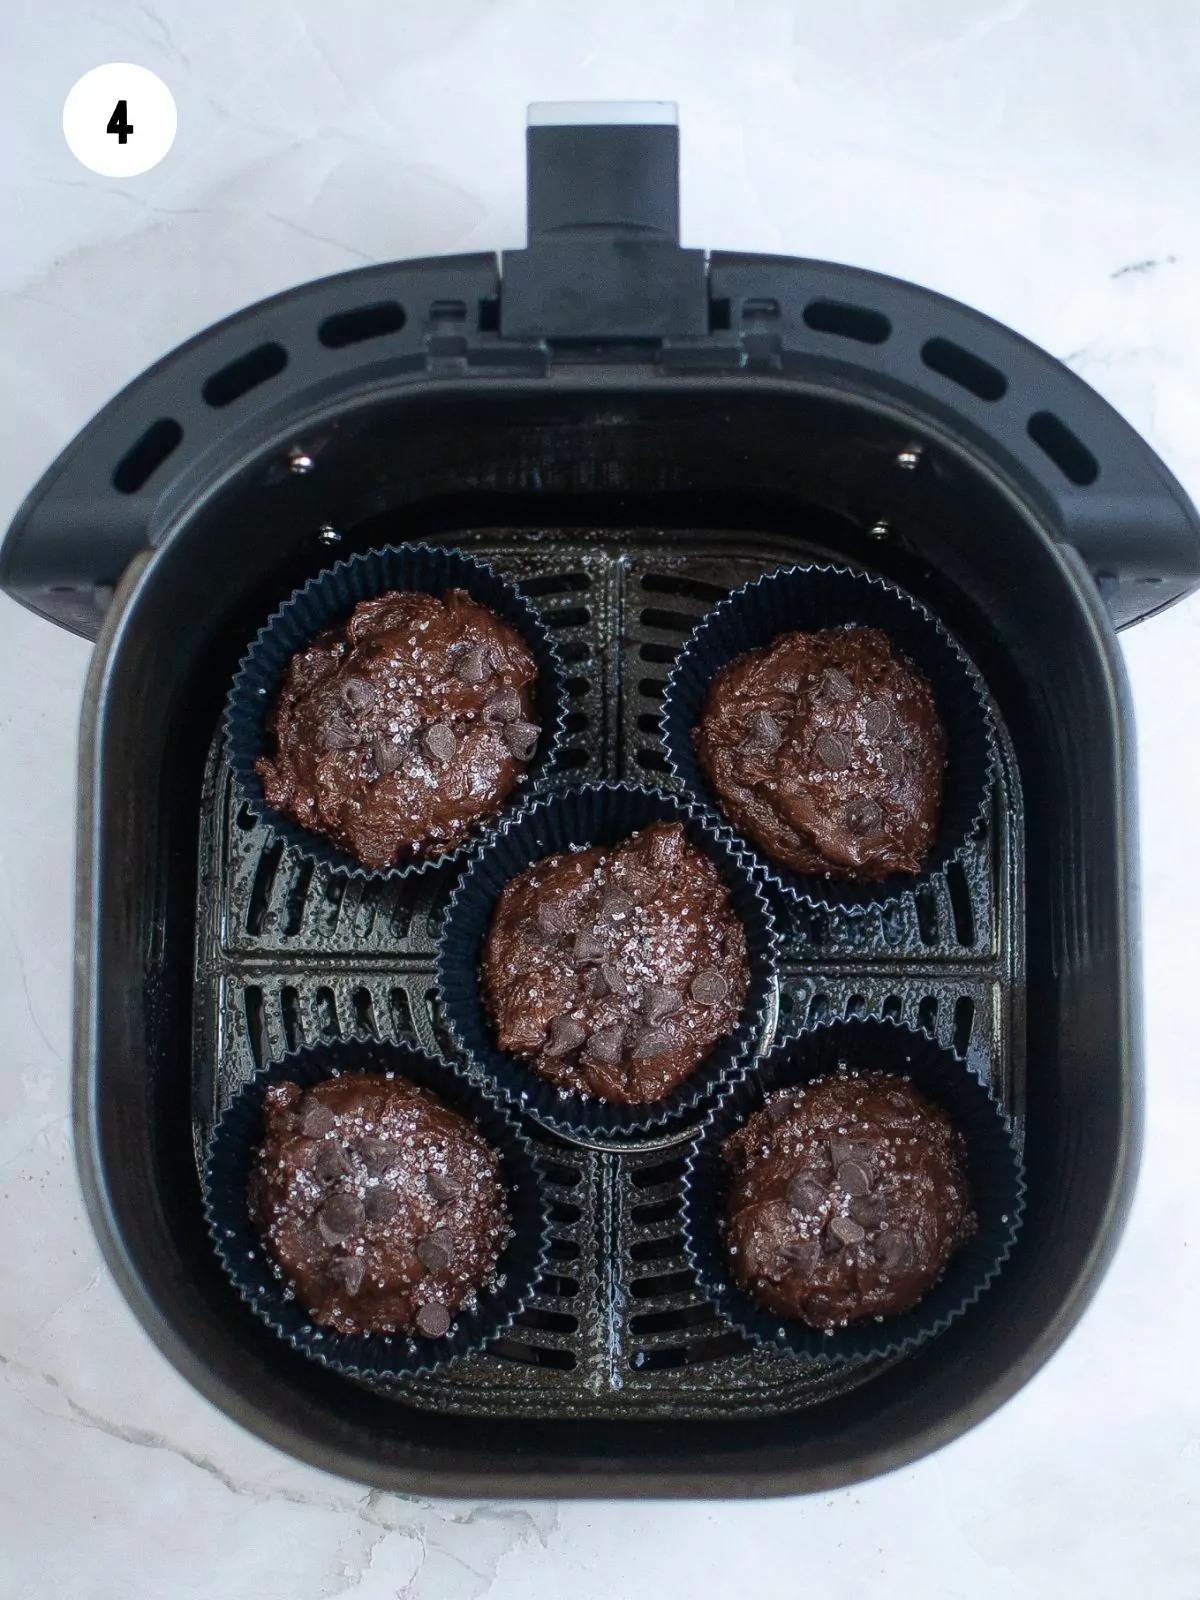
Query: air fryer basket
x,y
629,432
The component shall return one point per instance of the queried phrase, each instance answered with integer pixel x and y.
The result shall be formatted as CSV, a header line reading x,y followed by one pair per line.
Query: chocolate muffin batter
x,y
383,1206
615,971
847,1198
826,749
397,731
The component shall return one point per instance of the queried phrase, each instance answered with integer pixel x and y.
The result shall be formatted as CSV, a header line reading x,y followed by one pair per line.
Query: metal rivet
x,y
880,530
328,534
299,460
909,459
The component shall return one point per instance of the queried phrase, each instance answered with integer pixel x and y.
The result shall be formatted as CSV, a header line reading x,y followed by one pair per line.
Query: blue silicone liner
x,y
810,598
994,1170
328,599
262,1285
599,814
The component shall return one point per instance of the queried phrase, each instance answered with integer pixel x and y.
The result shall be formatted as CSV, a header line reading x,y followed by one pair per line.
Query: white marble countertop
x,y
1034,159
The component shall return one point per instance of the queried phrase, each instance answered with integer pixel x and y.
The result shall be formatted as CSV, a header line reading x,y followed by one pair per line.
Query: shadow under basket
x,y
600,814
806,599
328,600
994,1172
261,1283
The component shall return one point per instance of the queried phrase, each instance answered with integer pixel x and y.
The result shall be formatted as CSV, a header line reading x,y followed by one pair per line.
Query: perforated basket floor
x,y
287,954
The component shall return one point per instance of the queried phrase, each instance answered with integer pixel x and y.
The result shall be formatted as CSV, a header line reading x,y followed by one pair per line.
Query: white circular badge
x,y
120,120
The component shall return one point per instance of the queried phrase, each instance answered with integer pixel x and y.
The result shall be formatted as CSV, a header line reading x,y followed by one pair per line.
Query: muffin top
x,y
827,750
383,1206
398,730
847,1197
615,970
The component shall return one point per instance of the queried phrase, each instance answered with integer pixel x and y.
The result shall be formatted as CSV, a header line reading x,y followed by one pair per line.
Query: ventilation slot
x,y
818,1009
847,321
548,1321
652,688
532,1355
651,760
331,910
927,1014
657,1249
557,1287
256,1025
1069,454
651,1214
893,1008
448,311
662,1172
571,758
964,1022
556,583
720,318
363,323
764,310
664,654
247,372
576,721
673,621
692,1354
927,914
434,1011
365,912
960,904
575,651
563,1250
686,588
564,1213
297,896
961,367
561,1175
655,1288
578,687
325,1006
138,465
364,1013
257,912
568,617
246,819
700,1316
400,1014
489,315
648,722
856,1006
293,1023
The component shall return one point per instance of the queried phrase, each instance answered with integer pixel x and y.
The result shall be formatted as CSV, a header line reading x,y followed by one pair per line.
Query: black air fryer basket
x,y
630,430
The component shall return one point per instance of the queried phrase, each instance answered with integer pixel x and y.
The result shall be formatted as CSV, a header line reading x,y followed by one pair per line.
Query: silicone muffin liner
x,y
262,1284
599,814
328,599
994,1170
810,598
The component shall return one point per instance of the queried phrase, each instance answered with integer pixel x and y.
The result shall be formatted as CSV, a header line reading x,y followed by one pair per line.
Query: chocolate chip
x,y
349,1271
868,1210
381,1204
894,1250
331,1164
854,1179
565,1035
659,1000
316,1119
388,755
610,979
439,742
709,988
597,985
443,1186
863,815
846,1231
779,1108
522,739
877,718
805,1195
615,905
762,731
649,1043
433,1321
588,946
852,1150
893,760
378,1155
339,1217
898,1101
837,685
551,919
832,752
803,1256
359,694
604,1046
336,732
474,665
436,1250
503,705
